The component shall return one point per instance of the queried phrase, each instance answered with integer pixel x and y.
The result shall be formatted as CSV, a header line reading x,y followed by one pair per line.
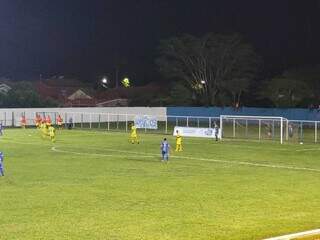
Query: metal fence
x,y
268,128
300,131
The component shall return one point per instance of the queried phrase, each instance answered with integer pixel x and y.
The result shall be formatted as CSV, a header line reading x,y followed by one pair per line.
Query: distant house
x,y
74,93
79,94
4,88
80,99
68,92
5,85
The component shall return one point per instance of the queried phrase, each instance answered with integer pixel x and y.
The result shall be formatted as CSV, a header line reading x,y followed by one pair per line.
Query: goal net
x,y
254,127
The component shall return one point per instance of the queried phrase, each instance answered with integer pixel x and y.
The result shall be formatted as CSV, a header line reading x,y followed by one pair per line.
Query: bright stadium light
x,y
104,82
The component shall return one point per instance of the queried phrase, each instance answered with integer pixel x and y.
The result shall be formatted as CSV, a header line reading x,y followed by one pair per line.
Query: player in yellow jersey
x,y
44,129
52,133
134,136
178,142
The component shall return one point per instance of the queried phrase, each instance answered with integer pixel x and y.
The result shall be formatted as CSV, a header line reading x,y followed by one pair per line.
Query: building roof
x,y
79,94
4,88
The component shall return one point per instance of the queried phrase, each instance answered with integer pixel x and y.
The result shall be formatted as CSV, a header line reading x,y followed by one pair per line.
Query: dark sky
x,y
83,38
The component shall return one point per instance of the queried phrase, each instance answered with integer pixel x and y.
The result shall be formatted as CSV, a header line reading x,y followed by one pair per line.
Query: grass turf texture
x,y
96,185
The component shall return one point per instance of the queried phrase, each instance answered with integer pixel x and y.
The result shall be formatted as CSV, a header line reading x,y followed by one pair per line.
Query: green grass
x,y
98,186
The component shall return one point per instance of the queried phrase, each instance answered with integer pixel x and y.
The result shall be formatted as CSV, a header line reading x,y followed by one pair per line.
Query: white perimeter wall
x,y
12,116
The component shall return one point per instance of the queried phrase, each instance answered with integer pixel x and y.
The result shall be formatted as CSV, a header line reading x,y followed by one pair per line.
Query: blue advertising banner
x,y
147,122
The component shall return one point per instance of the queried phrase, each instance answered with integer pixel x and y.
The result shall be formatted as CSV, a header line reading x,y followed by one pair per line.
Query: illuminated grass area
x,y
96,185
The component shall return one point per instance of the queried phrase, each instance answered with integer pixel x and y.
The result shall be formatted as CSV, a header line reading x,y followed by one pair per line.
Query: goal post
x,y
254,127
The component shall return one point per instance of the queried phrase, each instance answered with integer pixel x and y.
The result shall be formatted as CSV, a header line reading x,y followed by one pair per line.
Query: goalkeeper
x,y
134,136
216,131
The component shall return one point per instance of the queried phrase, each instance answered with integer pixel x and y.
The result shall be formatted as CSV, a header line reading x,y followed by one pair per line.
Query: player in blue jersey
x,y
1,164
165,149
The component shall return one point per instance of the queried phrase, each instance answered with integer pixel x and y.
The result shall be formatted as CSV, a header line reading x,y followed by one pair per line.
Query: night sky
x,y
84,38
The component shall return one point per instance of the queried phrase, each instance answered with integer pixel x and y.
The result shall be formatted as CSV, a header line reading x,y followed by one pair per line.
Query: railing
x,y
302,131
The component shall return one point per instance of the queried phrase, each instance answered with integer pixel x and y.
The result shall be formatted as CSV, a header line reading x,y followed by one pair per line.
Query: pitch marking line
x,y
191,142
94,154
307,149
296,235
139,154
182,157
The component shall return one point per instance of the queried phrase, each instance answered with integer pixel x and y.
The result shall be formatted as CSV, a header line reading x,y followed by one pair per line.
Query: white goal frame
x,y
284,123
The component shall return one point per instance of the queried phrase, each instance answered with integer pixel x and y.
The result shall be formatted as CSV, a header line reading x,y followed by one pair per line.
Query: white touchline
x,y
139,154
191,143
92,154
181,157
307,149
296,235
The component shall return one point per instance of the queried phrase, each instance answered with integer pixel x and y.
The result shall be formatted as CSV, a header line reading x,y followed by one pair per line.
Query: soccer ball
x,y
126,82
301,143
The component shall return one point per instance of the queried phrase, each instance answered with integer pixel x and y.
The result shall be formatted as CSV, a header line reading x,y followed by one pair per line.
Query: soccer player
x,y
216,131
44,129
134,136
52,133
1,129
1,164
178,142
269,130
38,120
59,121
48,121
290,130
165,149
23,121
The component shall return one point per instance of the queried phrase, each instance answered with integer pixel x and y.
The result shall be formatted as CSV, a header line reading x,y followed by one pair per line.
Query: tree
x,y
180,95
295,87
236,87
310,75
24,95
285,91
207,64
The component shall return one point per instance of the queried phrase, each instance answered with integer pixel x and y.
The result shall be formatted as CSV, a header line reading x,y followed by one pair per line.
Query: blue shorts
x,y
165,155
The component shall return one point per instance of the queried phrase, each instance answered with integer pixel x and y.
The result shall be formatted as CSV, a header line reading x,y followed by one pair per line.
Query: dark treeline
x,y
225,70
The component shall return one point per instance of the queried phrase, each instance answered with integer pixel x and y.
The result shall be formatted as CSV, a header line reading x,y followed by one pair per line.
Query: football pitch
x,y
96,185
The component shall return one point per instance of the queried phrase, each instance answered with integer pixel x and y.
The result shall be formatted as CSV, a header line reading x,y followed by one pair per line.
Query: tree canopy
x,y
294,87
213,66
24,95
